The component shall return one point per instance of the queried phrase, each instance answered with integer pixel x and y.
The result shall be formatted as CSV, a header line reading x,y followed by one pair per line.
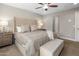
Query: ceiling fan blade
x,y
41,3
38,7
53,5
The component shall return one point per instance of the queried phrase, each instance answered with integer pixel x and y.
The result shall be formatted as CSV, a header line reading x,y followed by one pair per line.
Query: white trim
x,y
64,37
75,24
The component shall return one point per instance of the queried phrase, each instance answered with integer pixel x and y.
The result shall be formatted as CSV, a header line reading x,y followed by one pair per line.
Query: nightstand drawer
x,y
0,42
8,36
0,37
6,42
5,34
5,38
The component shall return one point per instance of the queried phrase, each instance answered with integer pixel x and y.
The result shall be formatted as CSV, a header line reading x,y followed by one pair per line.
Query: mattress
x,y
31,41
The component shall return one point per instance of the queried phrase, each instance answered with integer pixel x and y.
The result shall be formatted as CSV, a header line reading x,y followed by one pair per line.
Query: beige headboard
x,y
23,21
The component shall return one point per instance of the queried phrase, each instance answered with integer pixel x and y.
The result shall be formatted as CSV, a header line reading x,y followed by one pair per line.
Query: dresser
x,y
5,38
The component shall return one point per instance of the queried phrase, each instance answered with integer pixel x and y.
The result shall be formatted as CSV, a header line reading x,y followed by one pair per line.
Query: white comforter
x,y
32,41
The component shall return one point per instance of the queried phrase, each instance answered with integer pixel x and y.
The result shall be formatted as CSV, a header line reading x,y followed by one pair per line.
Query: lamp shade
x,y
40,22
4,23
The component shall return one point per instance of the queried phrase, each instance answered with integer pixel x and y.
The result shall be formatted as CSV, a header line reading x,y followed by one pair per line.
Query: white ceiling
x,y
31,7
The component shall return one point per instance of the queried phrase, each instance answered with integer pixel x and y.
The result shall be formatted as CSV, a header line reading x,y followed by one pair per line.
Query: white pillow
x,y
23,28
19,29
39,27
34,27
50,34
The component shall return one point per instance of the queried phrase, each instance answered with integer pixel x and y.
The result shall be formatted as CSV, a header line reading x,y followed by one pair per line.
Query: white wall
x,y
48,20
11,12
65,23
65,28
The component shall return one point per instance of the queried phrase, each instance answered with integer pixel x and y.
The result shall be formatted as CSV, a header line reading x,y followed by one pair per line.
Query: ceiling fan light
x,y
45,6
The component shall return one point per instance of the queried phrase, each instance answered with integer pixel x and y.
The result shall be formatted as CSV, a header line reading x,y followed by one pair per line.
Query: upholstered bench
x,y
52,48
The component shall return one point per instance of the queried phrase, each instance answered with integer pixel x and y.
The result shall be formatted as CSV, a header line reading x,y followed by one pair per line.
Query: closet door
x,y
77,24
55,26
56,23
67,25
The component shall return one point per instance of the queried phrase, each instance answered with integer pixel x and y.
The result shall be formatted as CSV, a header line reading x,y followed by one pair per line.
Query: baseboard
x,y
68,38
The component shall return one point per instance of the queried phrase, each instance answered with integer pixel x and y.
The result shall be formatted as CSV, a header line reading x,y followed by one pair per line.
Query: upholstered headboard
x,y
23,21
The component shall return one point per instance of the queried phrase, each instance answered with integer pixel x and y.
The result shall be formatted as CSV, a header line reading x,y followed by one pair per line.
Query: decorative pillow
x,y
50,34
23,28
19,29
41,28
34,27
40,24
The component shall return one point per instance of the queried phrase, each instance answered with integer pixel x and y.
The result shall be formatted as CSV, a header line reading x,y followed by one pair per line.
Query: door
x,y
67,25
77,24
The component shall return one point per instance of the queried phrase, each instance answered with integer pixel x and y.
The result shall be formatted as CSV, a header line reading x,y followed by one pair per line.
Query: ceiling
x,y
31,7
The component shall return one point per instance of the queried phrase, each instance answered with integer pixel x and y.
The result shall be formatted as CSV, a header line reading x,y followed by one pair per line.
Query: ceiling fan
x,y
46,5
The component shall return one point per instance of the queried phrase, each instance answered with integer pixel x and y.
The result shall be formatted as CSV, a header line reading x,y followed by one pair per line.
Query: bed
x,y
29,42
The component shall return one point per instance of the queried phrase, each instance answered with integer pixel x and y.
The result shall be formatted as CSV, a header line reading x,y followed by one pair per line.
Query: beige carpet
x,y
10,51
70,49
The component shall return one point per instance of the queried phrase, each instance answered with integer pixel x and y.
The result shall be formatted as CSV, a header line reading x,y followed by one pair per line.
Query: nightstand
x,y
5,38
